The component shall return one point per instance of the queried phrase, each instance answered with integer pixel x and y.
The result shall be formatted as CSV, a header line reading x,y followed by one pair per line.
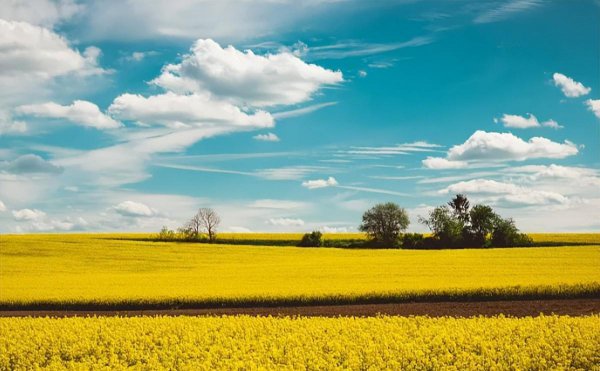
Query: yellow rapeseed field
x,y
243,342
105,269
587,238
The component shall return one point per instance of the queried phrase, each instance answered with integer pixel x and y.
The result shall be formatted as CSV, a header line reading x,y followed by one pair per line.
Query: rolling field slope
x,y
102,270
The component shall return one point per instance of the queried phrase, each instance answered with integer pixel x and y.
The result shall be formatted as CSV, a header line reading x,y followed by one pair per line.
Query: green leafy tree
x,y
384,223
460,207
444,225
483,218
506,234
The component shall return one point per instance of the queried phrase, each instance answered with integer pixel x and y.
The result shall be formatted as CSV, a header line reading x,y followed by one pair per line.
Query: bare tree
x,y
208,220
194,225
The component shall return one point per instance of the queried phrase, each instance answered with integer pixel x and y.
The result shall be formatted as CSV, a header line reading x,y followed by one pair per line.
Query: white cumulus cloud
x,y
175,110
2,206
506,193
32,51
569,87
132,208
493,146
506,146
269,137
28,214
442,163
594,106
521,122
485,146
39,12
80,112
244,77
320,183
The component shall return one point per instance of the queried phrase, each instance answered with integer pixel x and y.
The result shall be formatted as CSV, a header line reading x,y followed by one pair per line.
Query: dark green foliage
x,y
460,207
384,223
505,234
483,218
312,239
457,226
413,241
445,226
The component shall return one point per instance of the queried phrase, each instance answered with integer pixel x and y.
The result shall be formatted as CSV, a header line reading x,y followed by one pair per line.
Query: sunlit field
x,y
395,343
110,270
584,238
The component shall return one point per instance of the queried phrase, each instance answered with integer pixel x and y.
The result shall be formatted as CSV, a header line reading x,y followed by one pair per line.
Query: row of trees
x,y
455,224
452,225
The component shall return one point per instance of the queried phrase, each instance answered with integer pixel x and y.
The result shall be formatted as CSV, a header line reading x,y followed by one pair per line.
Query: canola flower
x,y
301,343
100,269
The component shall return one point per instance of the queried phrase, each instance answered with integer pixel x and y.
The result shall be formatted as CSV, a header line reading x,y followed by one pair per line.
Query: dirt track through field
x,y
516,308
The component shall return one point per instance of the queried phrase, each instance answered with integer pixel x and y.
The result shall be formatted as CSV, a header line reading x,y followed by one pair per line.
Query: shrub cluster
x,y
181,234
454,225
458,225
313,239
201,227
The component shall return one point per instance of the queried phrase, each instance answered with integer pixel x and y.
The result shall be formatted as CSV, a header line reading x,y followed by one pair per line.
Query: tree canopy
x,y
384,223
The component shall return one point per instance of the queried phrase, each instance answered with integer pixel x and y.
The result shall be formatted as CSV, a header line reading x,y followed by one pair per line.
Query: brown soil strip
x,y
516,308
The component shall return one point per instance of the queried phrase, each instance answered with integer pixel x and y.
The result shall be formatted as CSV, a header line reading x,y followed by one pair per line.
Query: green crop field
x,y
114,269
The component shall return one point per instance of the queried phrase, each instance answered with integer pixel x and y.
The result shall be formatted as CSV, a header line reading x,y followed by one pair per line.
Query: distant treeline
x,y
453,225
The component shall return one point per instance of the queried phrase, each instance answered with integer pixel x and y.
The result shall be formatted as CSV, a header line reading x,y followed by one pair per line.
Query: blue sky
x,y
296,116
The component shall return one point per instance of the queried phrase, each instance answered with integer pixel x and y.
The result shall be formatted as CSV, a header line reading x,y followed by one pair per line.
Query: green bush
x,y
412,241
313,239
166,234
506,234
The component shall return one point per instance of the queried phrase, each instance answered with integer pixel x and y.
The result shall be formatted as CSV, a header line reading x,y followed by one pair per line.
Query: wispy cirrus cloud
x,y
349,49
286,222
281,173
399,149
346,49
302,111
498,11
